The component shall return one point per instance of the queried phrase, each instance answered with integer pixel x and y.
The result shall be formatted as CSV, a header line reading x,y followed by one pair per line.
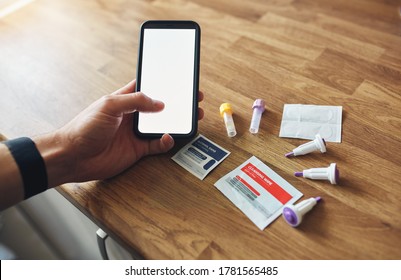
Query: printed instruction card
x,y
200,156
258,191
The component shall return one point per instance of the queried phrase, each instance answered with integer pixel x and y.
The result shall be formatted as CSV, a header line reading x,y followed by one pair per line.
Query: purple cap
x,y
337,174
334,175
289,154
318,198
259,104
290,216
299,174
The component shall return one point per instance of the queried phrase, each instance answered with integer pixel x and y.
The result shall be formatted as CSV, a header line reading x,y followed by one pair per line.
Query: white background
x,y
288,270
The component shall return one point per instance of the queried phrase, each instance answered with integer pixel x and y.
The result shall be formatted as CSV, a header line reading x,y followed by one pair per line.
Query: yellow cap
x,y
225,108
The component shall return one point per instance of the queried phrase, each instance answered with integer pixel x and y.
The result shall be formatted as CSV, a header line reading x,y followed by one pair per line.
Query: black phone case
x,y
170,24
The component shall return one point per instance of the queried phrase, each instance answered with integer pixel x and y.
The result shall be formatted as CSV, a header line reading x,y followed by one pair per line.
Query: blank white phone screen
x,y
168,75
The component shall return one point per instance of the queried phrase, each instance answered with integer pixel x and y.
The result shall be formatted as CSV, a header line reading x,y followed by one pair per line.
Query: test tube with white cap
x,y
317,144
293,214
330,173
258,108
226,112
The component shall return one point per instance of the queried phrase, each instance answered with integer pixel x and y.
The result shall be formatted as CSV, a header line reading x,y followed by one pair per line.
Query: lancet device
x,y
317,144
293,214
330,173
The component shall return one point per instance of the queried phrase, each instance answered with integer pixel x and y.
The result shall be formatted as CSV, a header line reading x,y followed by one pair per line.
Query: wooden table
x,y
56,57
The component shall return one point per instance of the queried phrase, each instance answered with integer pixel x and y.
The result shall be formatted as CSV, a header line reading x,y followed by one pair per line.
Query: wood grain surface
x,y
56,57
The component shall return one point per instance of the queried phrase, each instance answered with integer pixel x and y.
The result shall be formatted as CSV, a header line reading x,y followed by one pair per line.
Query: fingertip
x,y
201,114
162,145
156,104
167,142
159,105
201,96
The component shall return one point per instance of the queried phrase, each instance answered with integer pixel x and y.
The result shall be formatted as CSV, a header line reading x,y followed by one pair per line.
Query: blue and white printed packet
x,y
200,156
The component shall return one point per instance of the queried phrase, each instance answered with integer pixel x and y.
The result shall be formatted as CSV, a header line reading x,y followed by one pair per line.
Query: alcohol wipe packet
x,y
305,121
258,191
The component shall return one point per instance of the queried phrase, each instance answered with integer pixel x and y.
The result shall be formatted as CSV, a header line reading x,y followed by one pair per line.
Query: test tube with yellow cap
x,y
227,113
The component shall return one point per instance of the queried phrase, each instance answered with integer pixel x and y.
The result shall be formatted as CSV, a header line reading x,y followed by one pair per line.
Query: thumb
x,y
130,102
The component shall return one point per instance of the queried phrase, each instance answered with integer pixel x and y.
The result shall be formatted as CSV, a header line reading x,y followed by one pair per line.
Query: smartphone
x,y
168,70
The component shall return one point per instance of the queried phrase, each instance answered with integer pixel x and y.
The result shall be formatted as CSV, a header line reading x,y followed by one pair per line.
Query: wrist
x,y
11,182
58,160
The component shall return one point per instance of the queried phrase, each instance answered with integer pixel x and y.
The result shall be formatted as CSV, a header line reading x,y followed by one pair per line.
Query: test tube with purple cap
x,y
258,109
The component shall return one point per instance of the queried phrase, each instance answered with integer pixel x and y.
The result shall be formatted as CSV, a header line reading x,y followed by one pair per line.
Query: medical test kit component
x,y
330,173
200,156
258,108
317,144
227,113
258,191
305,121
293,214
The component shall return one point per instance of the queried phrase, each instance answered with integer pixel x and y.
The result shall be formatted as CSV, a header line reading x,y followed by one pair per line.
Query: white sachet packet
x,y
258,191
305,121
